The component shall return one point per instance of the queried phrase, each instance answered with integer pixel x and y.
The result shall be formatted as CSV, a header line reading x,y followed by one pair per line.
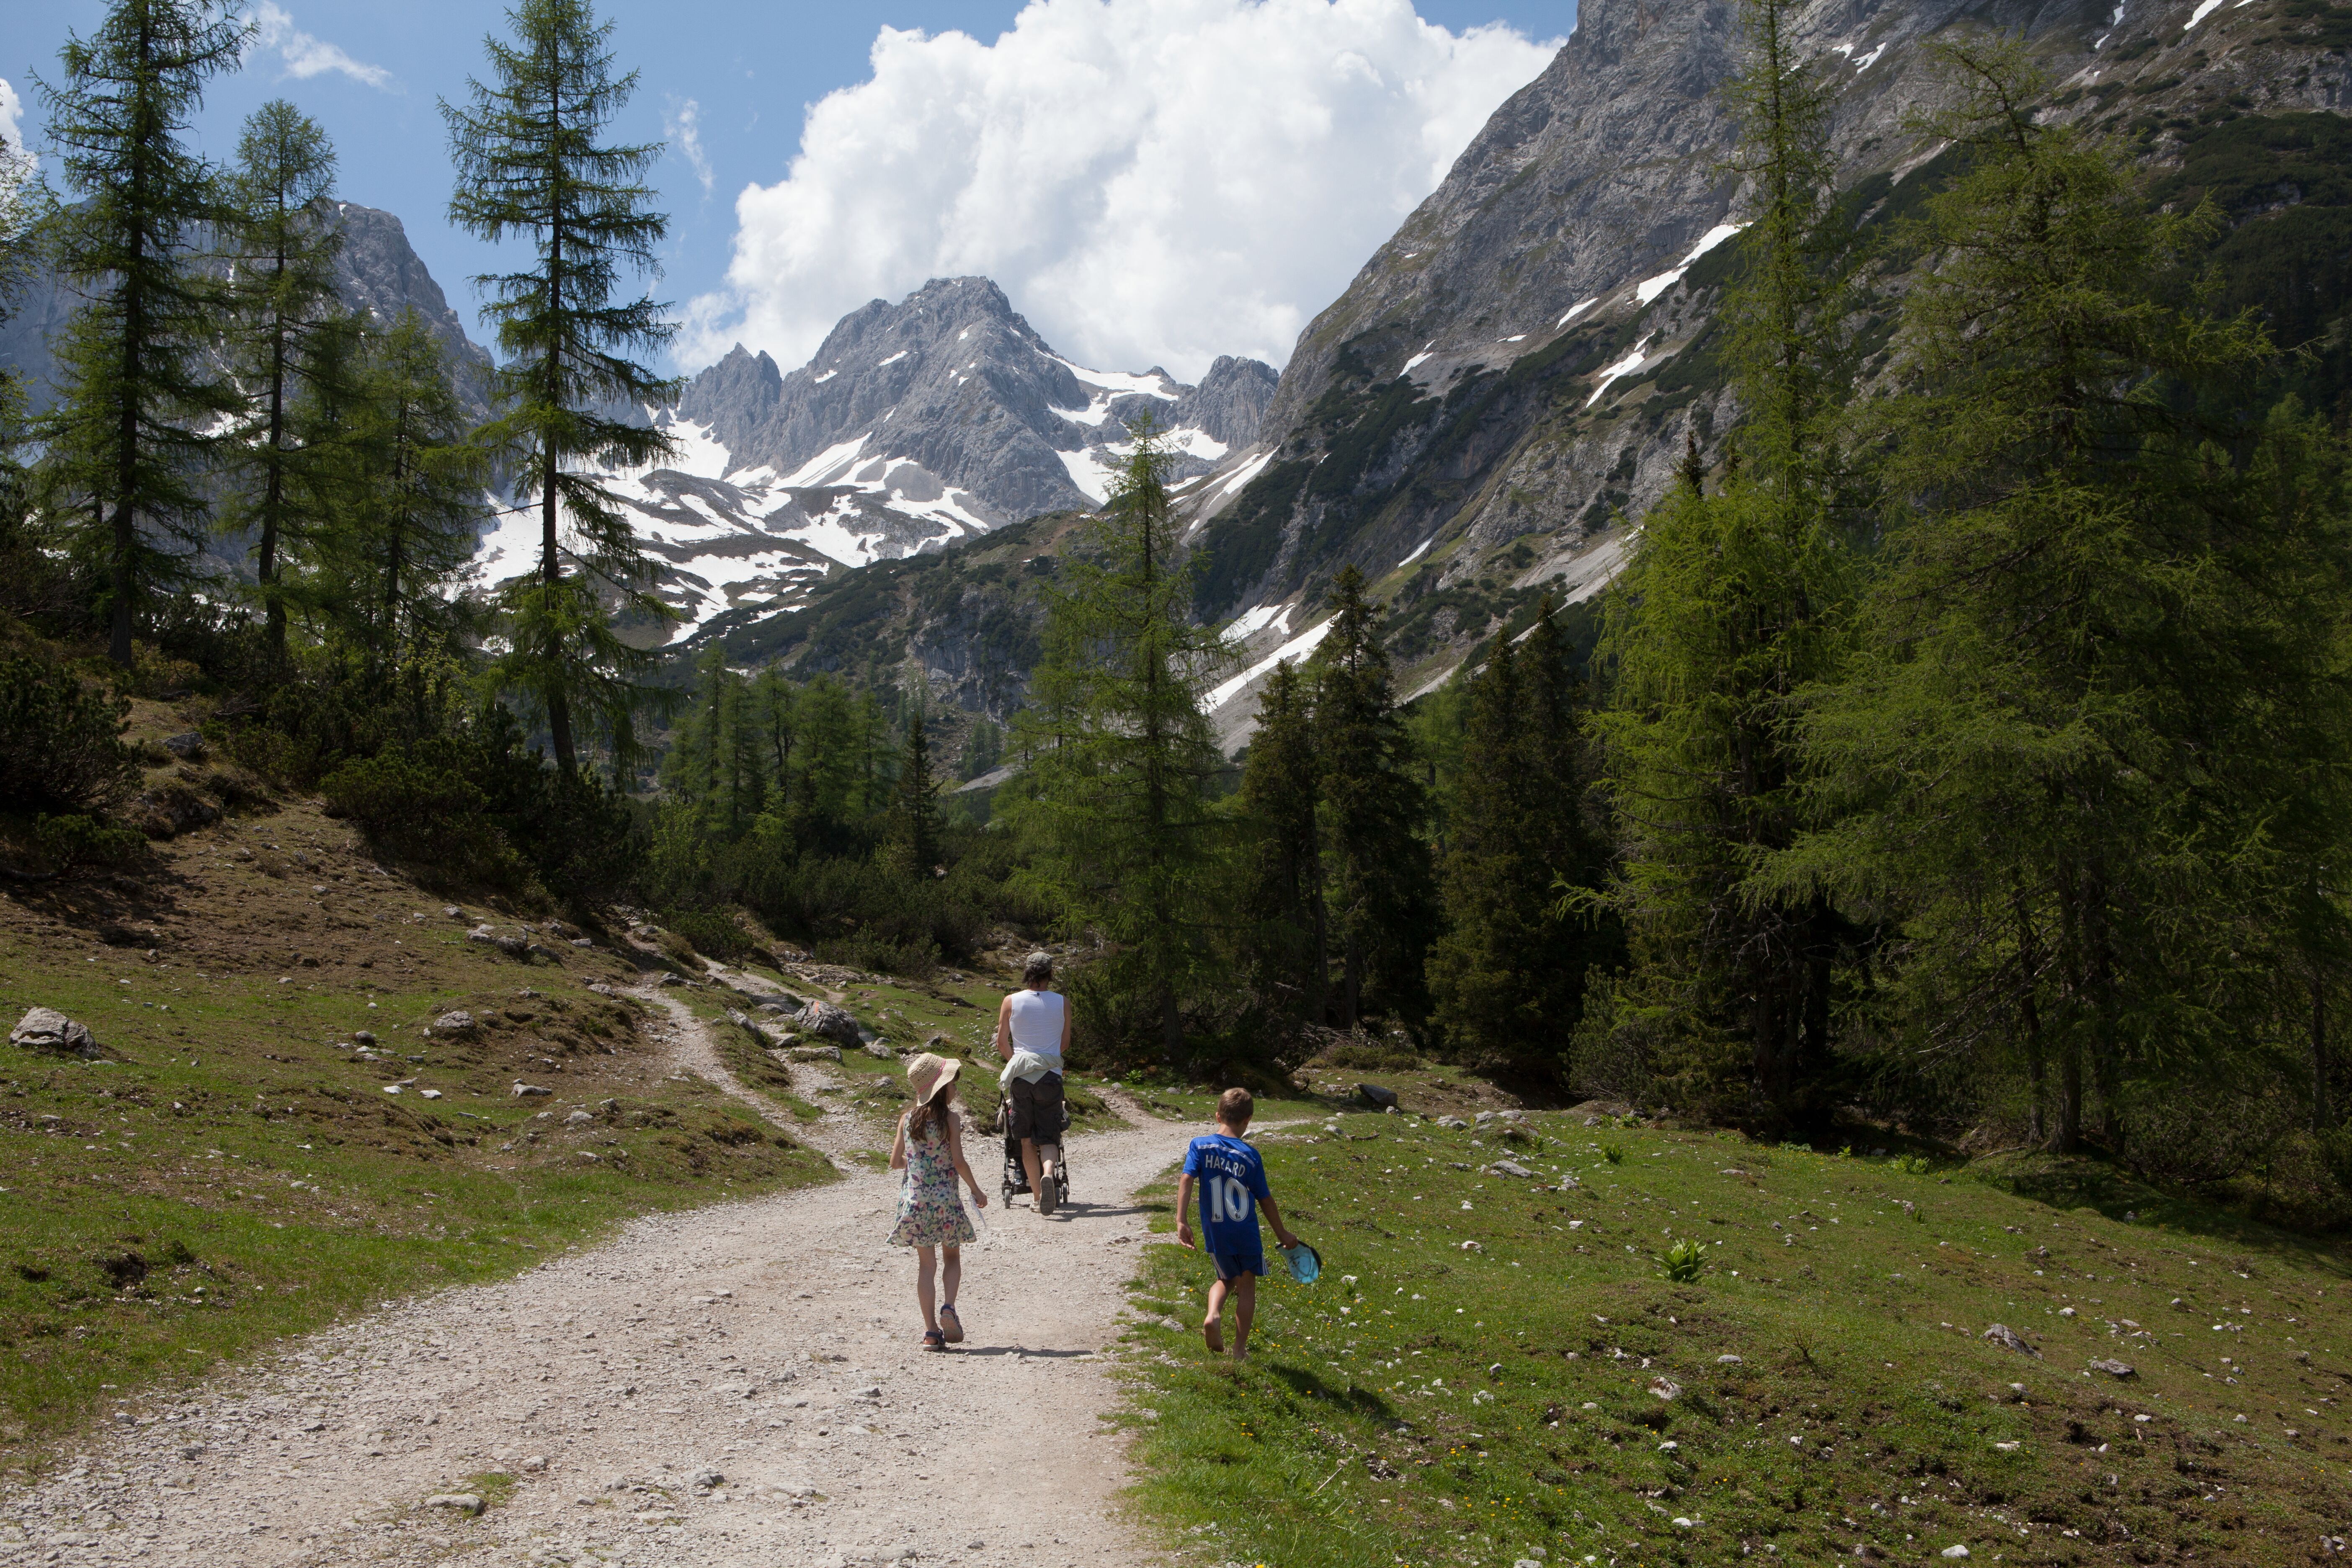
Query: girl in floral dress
x,y
930,1149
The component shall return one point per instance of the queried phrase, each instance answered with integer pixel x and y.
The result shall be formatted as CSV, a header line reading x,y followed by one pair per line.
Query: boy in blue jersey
x,y
1232,1184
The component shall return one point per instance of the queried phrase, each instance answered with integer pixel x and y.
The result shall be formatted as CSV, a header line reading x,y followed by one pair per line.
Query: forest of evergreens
x,y
1967,745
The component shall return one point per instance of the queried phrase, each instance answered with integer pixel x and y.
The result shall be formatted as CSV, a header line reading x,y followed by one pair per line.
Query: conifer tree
x,y
1382,897
777,707
1116,803
1734,604
128,440
1511,969
1286,938
288,354
404,488
530,164
2100,687
916,813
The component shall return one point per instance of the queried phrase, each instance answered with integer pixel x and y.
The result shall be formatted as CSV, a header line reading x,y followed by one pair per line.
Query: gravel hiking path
x,y
742,1384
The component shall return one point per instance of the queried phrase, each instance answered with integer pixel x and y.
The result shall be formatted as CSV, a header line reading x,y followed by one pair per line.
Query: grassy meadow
x,y
1495,1370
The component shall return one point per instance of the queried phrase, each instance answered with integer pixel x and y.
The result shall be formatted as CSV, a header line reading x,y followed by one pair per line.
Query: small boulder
x,y
1374,1095
189,746
1453,1121
2113,1368
2008,1338
46,1029
455,1023
832,1022
527,1090
1509,1168
467,1504
880,1052
365,1036
817,1052
1666,1388
579,1119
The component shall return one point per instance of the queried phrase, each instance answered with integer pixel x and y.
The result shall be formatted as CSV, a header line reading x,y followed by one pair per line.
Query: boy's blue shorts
x,y
1233,1262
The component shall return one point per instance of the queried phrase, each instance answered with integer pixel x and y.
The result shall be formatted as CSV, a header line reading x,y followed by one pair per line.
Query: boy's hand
x,y
1184,1232
1284,1237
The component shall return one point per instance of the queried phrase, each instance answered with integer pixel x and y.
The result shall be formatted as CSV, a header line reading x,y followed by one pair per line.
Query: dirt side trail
x,y
735,1384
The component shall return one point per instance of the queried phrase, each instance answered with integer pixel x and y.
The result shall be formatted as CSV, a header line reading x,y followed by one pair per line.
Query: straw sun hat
x,y
927,1072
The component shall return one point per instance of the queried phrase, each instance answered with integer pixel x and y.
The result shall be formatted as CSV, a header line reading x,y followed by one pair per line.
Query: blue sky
x,y
731,87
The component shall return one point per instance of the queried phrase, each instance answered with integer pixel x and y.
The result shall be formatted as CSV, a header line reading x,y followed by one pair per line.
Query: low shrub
x,y
73,842
60,741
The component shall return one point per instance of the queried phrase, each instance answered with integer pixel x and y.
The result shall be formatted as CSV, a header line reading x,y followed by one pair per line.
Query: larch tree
x,y
129,440
404,494
530,165
1116,802
288,354
1733,606
1285,941
2094,741
1382,893
915,814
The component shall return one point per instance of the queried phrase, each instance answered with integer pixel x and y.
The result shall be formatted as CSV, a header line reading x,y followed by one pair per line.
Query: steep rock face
x,y
380,272
1514,376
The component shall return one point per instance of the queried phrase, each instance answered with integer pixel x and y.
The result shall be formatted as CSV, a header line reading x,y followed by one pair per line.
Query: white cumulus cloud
x,y
304,56
16,164
1150,181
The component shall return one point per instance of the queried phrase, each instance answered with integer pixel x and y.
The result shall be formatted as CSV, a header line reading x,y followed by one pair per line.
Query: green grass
x,y
1428,1404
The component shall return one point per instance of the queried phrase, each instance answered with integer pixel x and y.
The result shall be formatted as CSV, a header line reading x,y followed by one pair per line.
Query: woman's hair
x,y
1038,971
933,1112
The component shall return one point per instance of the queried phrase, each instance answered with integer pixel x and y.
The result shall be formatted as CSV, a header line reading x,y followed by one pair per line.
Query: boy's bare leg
x,y
1244,1308
923,1294
1211,1330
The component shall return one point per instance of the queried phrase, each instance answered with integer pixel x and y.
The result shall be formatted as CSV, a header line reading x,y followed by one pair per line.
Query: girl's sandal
x,y
934,1340
951,1325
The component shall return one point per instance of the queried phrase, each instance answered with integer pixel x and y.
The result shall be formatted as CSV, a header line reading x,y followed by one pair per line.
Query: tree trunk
x,y
2321,1117
2069,1137
550,572
1352,981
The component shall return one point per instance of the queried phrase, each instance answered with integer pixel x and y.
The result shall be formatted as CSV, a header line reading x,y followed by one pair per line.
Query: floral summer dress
x,y
930,1211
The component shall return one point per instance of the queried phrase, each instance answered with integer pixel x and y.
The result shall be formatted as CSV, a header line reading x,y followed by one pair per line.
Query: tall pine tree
x,y
530,164
2100,686
128,440
1115,806
1285,939
915,814
1382,895
286,347
1733,606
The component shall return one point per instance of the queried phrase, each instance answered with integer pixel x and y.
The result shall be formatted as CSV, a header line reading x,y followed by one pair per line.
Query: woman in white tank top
x,y
1032,1033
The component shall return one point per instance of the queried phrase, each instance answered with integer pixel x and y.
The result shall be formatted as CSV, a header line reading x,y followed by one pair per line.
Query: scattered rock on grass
x,y
46,1029
459,1502
454,1022
1374,1094
1509,1168
2008,1338
833,1023
526,1090
2113,1368
817,1052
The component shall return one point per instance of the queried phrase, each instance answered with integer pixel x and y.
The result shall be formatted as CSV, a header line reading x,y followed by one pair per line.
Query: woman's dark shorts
x,y
1037,1108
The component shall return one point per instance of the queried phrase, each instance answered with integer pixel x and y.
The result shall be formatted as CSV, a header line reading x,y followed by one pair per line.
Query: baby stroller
x,y
1016,1176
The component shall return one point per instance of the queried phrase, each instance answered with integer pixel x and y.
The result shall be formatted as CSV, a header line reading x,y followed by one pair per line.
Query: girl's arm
x,y
1004,1030
898,1147
955,1153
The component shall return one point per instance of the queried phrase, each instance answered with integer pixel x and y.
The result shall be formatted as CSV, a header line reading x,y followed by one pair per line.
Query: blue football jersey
x,y
1232,1178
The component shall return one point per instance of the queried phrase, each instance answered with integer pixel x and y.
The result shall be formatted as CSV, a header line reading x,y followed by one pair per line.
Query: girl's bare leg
x,y
951,1274
923,1294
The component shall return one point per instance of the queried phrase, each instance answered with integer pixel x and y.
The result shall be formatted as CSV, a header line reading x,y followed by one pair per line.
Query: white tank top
x,y
1036,1022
